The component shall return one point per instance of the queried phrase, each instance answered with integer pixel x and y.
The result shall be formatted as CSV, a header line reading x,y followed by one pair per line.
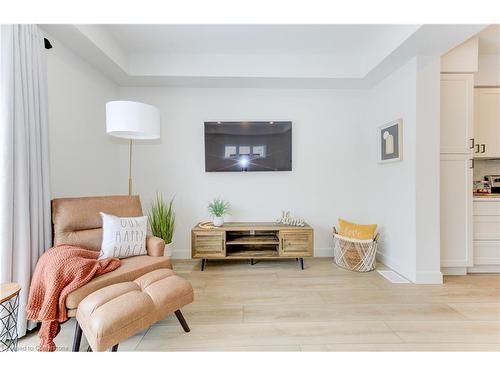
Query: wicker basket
x,y
354,255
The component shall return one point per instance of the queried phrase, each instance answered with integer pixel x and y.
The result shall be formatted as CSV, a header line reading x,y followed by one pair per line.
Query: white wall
x,y
392,185
84,160
325,182
405,195
428,241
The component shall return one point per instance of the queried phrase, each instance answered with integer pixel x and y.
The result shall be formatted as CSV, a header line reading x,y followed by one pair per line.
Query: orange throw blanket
x,y
60,271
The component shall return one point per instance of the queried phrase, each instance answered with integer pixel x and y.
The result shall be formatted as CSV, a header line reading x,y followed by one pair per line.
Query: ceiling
x,y
225,39
316,56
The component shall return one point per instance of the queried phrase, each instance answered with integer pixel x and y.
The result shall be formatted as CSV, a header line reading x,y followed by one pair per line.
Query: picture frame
x,y
390,142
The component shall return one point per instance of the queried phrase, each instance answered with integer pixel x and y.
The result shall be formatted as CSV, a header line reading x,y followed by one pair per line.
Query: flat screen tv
x,y
242,146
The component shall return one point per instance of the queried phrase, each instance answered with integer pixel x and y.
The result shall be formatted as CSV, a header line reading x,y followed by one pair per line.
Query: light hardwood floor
x,y
274,306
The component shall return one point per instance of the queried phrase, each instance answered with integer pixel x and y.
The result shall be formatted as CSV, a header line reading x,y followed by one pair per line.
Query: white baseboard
x,y
454,271
181,254
324,252
389,262
484,268
429,278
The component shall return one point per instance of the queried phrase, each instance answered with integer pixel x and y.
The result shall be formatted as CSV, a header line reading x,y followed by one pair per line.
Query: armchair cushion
x,y
130,269
155,246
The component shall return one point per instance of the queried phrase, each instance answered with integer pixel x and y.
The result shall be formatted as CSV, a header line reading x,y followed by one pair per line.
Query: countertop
x,y
486,199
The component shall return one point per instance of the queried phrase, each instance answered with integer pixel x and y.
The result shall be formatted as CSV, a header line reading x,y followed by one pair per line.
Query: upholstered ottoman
x,y
116,312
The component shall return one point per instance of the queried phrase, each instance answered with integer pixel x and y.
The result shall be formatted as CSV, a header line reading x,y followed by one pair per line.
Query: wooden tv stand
x,y
252,241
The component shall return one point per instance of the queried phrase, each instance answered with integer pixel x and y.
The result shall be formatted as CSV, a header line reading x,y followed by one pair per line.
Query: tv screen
x,y
248,146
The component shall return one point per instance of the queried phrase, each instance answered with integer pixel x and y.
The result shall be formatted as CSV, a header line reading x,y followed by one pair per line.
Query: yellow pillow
x,y
357,231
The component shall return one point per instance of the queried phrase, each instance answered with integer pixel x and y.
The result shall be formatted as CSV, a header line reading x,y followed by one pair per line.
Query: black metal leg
x,y
114,348
181,319
77,338
302,263
252,262
203,264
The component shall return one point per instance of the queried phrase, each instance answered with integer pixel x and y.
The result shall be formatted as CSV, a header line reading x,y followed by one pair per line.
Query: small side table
x,y
9,306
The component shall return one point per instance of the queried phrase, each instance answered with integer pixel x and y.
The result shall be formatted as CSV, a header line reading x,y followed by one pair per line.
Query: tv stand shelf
x,y
253,240
244,240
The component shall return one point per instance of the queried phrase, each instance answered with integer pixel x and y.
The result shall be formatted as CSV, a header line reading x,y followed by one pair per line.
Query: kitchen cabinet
x,y
457,146
457,109
486,233
487,122
456,211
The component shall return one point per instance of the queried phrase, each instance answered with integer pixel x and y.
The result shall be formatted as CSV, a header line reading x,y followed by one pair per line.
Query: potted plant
x,y
162,221
217,208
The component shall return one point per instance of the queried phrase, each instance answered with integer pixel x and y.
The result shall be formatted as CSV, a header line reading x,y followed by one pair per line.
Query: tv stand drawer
x,y
296,243
208,245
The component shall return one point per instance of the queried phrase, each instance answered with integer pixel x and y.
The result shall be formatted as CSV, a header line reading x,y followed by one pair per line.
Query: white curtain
x,y
25,223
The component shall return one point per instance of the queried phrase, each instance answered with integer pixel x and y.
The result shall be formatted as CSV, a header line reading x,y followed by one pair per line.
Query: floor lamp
x,y
132,120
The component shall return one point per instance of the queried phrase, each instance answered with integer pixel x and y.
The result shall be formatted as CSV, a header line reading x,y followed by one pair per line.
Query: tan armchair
x,y
76,221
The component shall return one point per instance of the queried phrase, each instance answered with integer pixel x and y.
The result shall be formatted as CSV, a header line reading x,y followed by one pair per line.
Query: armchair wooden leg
x,y
77,338
181,319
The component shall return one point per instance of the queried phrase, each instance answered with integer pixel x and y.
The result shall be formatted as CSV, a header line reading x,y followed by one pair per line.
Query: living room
x,y
120,119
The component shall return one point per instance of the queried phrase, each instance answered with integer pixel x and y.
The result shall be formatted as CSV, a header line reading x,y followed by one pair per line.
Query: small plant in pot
x,y
162,221
218,208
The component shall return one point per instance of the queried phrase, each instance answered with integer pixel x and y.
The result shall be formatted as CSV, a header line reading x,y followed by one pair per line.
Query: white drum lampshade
x,y
132,120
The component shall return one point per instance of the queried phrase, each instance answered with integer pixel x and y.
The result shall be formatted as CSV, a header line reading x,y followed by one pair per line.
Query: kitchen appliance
x,y
482,187
494,181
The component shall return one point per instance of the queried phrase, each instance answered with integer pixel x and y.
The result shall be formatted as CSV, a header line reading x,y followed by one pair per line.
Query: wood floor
x,y
274,306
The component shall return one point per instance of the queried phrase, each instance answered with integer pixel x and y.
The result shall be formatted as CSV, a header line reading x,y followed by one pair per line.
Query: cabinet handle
x,y
477,148
471,164
472,143
483,148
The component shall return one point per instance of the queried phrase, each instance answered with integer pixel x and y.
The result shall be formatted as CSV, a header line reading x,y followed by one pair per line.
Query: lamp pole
x,y
130,167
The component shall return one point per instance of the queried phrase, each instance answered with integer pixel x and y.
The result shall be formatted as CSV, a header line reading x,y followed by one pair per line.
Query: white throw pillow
x,y
123,237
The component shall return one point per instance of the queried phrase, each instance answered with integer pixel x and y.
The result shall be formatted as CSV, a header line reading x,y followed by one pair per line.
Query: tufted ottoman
x,y
116,312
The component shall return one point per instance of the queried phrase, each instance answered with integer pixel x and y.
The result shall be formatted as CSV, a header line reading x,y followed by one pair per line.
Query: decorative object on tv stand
x,y
132,120
287,219
390,141
218,208
161,219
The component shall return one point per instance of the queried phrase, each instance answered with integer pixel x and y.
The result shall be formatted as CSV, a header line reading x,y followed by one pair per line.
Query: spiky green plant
x,y
218,207
161,218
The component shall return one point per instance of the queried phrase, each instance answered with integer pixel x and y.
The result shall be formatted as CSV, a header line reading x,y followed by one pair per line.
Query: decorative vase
x,y
218,221
169,249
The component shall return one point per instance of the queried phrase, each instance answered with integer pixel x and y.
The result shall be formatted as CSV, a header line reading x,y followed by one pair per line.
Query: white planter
x,y
169,249
218,221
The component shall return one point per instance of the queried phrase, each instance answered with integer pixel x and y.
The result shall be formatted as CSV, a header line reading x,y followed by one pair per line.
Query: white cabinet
x,y
457,144
457,109
486,233
487,122
456,210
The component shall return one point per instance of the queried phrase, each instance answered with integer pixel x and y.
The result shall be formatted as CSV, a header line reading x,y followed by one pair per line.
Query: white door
x,y
487,122
456,210
457,108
